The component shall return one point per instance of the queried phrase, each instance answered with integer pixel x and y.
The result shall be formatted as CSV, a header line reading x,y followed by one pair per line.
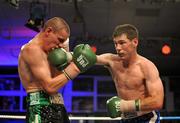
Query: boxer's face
x,y
57,39
61,37
124,46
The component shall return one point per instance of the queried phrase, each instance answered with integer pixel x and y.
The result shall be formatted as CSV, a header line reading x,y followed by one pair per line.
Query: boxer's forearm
x,y
52,85
151,103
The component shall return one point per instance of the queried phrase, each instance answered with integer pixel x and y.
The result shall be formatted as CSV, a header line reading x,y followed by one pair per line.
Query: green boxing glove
x,y
59,58
84,57
116,105
113,107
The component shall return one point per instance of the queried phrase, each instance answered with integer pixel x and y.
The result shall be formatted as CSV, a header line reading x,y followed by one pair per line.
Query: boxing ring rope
x,y
81,119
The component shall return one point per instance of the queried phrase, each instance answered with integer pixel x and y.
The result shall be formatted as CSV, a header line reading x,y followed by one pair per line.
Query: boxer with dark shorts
x,y
45,65
43,108
140,92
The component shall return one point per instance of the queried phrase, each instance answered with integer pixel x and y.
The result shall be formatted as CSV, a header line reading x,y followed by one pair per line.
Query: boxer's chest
x,y
130,78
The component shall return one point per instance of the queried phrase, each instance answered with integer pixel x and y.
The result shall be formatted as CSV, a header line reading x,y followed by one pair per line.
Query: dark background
x,y
92,22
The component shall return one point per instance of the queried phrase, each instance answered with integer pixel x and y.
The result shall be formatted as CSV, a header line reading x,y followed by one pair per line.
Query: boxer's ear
x,y
49,28
48,31
135,42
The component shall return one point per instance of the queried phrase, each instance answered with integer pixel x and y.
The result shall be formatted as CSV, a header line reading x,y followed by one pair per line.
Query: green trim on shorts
x,y
35,101
38,98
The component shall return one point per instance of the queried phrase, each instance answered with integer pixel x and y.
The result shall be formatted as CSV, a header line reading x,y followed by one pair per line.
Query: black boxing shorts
x,y
152,117
40,109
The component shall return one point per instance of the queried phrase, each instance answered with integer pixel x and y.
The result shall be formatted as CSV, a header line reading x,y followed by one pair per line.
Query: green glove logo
x,y
117,106
82,61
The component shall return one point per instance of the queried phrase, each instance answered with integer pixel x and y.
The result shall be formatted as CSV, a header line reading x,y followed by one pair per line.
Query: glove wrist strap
x,y
137,104
71,71
130,105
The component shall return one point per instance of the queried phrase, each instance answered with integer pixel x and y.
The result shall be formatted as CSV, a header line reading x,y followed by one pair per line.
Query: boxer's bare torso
x,y
129,80
132,80
30,82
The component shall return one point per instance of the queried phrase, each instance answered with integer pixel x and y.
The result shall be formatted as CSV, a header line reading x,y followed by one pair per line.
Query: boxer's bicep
x,y
154,84
155,94
103,59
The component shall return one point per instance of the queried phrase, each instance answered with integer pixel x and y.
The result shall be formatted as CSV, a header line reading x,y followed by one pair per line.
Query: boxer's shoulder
x,y
104,59
111,56
31,49
147,66
145,62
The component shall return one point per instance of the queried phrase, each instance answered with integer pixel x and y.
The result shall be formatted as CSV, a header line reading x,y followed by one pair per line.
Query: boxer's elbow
x,y
158,104
51,91
49,88
160,101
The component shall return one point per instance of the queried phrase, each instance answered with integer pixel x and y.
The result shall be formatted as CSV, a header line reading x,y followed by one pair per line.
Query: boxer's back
x,y
29,82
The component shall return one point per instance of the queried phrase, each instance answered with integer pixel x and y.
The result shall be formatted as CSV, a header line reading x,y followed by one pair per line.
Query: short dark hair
x,y
57,23
128,29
